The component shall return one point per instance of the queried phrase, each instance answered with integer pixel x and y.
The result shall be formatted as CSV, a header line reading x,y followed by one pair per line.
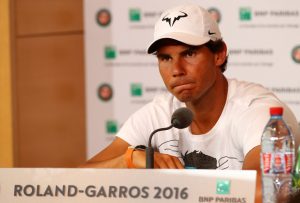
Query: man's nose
x,y
178,68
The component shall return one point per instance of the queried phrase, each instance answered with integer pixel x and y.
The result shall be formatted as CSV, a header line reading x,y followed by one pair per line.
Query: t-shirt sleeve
x,y
156,114
251,127
253,121
136,130
253,106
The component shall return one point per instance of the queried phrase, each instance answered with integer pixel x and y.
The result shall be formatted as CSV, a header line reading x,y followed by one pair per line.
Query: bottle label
x,y
277,162
266,162
289,158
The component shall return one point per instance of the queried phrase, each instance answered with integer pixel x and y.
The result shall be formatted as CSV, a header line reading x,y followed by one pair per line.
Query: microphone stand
x,y
150,150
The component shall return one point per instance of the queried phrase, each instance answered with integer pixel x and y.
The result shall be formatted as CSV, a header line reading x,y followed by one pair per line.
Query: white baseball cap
x,y
189,24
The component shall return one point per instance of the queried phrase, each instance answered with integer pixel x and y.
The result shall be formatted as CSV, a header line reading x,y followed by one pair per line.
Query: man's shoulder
x,y
246,87
248,92
246,98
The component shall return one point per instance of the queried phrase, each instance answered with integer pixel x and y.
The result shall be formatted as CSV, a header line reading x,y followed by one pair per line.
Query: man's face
x,y
188,72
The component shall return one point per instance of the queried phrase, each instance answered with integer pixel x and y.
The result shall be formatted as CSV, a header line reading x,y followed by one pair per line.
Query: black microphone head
x,y
182,118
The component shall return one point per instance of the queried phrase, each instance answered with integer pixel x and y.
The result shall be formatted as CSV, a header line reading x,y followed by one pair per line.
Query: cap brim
x,y
180,37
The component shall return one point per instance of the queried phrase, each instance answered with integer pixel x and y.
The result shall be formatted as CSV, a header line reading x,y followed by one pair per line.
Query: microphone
x,y
181,118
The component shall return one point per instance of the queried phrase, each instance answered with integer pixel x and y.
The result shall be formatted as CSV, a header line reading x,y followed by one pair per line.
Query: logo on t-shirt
x,y
197,159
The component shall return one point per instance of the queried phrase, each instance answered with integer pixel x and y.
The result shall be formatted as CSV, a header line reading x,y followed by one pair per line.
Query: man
x,y
229,115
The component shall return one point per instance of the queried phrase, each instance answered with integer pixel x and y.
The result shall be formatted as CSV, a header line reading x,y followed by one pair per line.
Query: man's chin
x,y
184,97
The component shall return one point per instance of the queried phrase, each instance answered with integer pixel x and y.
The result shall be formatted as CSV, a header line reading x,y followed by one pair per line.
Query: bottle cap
x,y
276,111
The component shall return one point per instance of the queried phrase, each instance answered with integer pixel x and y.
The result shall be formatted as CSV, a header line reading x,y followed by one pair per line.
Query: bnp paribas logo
x,y
110,52
245,14
111,127
223,187
134,14
136,89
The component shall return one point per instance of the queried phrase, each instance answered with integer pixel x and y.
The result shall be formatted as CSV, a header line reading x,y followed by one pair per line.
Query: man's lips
x,y
182,85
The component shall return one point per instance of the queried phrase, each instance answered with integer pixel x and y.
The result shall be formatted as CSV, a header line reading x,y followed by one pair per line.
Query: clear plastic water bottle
x,y
277,159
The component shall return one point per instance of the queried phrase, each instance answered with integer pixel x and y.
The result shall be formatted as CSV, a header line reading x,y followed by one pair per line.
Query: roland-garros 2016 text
x,y
93,191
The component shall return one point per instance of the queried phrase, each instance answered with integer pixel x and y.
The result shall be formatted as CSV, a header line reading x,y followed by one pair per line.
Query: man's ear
x,y
220,56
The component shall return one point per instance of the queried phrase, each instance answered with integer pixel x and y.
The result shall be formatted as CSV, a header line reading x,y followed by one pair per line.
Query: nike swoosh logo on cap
x,y
211,33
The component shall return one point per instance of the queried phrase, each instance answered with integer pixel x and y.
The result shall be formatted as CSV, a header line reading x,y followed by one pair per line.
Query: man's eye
x,y
190,53
164,58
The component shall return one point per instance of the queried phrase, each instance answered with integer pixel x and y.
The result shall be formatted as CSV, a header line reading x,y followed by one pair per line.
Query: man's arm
x,y
113,156
252,162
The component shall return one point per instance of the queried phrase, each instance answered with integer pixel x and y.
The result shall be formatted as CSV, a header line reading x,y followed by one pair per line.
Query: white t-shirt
x,y
225,146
